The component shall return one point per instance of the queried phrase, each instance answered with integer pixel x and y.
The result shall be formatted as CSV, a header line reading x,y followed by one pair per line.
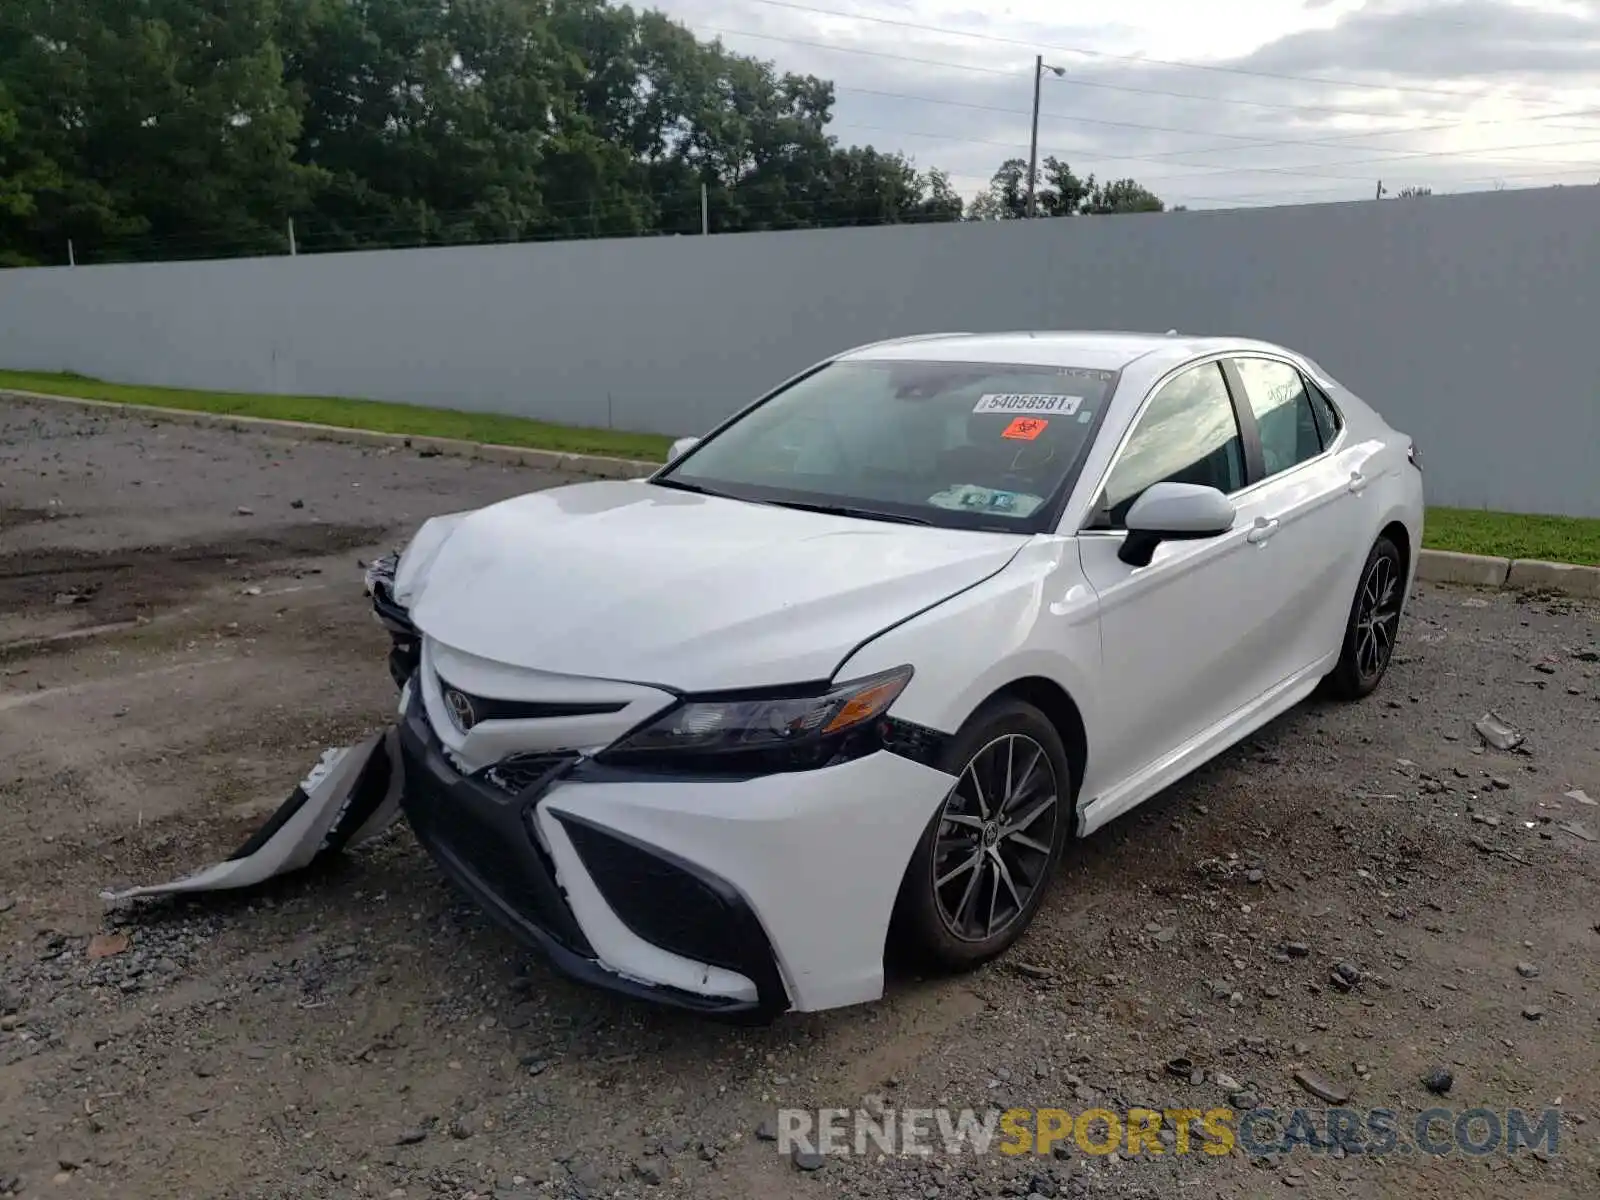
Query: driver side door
x,y
1178,637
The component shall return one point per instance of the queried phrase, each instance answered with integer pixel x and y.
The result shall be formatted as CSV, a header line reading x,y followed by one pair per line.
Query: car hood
x,y
652,585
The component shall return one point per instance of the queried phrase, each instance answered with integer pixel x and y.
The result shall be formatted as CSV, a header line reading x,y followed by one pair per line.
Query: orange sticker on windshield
x,y
1024,429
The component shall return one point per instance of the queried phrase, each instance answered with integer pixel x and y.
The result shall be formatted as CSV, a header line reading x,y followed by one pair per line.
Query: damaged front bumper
x,y
485,838
405,651
740,897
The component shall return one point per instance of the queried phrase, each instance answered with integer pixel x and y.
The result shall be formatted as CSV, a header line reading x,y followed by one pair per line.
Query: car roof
x,y
1088,350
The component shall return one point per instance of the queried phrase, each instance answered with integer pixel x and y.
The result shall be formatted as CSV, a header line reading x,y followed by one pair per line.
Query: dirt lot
x,y
182,630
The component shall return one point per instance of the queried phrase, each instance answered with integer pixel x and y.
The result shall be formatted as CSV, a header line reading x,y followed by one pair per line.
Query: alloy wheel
x,y
995,839
1377,617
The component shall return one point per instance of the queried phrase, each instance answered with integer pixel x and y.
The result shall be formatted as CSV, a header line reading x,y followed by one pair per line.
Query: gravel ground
x,y
1358,897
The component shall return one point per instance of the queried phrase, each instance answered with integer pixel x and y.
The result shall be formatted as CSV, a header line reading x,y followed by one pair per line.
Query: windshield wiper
x,y
696,488
844,510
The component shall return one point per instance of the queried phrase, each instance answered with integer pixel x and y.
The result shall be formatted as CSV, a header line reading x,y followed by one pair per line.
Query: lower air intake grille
x,y
519,772
673,906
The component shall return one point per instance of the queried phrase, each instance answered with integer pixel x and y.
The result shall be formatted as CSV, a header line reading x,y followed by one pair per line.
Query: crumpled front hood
x,y
616,580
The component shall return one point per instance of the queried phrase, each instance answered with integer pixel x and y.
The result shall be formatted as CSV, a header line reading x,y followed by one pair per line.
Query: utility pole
x,y
72,257
293,250
1033,141
705,212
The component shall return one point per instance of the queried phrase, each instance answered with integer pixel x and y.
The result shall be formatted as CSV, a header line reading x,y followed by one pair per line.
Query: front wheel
x,y
985,860
1374,621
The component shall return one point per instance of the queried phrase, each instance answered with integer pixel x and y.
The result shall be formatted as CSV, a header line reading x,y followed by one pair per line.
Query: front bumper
x,y
741,898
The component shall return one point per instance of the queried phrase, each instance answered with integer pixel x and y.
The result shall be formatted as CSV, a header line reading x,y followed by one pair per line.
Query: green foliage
x,y
1058,192
146,129
1513,535
405,419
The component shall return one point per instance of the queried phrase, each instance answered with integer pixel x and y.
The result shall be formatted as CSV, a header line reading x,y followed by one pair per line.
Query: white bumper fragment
x,y
349,797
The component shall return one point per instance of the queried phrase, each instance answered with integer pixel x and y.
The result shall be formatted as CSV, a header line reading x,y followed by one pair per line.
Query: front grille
x,y
488,708
519,772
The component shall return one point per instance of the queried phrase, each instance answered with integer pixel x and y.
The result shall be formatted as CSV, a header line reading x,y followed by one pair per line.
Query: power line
x,y
1410,157
1592,169
1246,141
1065,81
1017,147
1252,140
1137,59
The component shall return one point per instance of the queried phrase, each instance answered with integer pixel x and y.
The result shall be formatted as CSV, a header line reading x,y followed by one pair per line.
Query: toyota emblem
x,y
461,712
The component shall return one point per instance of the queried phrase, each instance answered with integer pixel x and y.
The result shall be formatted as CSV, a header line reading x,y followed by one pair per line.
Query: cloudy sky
x,y
1231,103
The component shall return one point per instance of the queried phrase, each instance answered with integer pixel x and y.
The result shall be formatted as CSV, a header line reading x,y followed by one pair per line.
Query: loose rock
x,y
1321,1088
807,1160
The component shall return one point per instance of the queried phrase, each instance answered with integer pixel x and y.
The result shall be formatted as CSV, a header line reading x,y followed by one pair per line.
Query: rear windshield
x,y
971,445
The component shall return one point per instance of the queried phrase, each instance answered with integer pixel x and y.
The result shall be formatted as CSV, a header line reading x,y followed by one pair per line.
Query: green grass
x,y
1511,535
358,414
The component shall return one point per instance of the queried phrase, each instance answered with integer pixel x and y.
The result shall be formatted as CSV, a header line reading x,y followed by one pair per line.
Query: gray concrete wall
x,y
1472,322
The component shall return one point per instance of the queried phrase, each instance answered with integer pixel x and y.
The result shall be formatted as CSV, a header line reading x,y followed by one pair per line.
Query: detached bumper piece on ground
x,y
350,796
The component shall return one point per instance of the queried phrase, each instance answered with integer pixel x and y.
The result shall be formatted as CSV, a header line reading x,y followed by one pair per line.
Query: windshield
x,y
966,445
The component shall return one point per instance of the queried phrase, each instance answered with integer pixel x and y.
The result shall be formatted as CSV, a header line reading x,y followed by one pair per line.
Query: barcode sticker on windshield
x,y
1024,402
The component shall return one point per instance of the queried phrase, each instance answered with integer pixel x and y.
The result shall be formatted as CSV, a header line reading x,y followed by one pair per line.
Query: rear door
x,y
1308,501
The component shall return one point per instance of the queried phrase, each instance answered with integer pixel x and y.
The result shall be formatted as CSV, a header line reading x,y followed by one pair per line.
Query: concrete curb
x,y
1567,578
595,465
1446,566
1434,566
1521,574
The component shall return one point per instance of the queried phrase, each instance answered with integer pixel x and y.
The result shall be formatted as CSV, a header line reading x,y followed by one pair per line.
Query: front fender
x,y
1038,617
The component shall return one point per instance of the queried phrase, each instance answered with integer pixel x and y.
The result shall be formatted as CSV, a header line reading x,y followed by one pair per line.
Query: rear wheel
x,y
1374,621
984,862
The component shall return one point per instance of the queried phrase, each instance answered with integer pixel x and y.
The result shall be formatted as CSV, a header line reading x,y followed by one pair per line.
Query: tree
x,y
1059,192
1063,193
1120,196
1006,198
23,178
180,128
165,120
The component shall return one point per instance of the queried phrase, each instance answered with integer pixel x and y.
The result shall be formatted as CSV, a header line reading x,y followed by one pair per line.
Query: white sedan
x,y
845,677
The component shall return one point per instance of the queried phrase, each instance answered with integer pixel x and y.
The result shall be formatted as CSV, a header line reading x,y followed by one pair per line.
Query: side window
x,y
1327,414
1187,434
1282,407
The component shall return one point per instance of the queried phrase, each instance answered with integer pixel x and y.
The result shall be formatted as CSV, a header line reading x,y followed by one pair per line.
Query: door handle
x,y
1358,482
1262,530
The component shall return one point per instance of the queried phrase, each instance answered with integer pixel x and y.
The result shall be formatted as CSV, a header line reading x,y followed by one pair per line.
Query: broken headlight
x,y
762,733
406,651
379,573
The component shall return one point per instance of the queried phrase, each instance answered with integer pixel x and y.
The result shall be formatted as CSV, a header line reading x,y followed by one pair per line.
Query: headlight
x,y
765,733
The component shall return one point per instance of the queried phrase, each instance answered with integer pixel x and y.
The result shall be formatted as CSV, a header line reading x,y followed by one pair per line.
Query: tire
x,y
1370,630
952,927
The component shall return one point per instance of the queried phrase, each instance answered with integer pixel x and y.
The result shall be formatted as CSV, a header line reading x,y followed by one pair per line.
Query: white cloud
x,y
1304,100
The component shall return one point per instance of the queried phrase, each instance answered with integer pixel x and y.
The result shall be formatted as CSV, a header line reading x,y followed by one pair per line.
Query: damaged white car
x,y
844,678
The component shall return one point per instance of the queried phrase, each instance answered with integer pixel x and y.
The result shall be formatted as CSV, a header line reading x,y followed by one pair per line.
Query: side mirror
x,y
681,447
1169,512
